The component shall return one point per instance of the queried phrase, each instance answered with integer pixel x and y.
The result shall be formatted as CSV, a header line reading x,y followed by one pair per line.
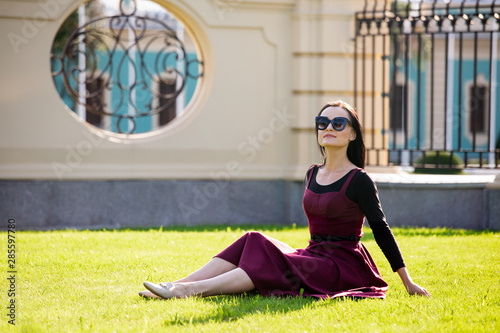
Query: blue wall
x,y
467,79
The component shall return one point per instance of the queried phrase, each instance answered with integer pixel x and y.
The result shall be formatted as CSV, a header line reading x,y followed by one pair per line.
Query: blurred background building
x,y
183,112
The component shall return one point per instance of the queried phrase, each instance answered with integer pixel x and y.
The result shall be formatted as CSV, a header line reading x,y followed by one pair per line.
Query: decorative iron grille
x,y
425,83
124,69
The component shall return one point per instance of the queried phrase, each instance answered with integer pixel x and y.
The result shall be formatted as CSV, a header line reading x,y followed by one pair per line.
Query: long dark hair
x,y
356,150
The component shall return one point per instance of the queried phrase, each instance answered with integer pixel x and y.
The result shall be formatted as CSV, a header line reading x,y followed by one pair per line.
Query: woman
x,y
338,195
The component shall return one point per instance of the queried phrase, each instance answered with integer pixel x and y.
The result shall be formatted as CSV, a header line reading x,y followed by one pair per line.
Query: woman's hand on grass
x,y
412,287
415,289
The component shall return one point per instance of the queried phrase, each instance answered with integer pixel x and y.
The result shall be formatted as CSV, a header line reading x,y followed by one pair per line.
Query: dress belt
x,y
328,238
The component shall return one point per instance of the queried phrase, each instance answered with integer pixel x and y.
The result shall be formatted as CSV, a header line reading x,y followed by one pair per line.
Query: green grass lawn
x,y
71,281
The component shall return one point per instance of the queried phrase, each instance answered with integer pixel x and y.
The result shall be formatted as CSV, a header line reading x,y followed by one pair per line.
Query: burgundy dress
x,y
334,264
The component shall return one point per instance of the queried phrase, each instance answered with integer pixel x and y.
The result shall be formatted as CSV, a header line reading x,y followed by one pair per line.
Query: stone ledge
x,y
430,202
432,181
495,185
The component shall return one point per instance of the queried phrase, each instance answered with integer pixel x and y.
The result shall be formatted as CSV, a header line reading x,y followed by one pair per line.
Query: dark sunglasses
x,y
338,123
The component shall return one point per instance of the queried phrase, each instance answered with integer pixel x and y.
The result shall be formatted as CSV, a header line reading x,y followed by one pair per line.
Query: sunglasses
x,y
338,123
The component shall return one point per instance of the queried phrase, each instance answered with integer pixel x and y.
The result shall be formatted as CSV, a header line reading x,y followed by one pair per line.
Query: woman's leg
x,y
235,281
213,268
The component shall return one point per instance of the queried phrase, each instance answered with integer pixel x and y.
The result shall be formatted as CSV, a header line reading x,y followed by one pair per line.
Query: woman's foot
x,y
162,289
149,294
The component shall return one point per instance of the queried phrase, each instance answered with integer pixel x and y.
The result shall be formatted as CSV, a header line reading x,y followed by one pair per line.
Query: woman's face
x,y
332,138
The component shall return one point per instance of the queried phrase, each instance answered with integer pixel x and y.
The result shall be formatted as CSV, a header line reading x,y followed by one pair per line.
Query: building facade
x,y
239,151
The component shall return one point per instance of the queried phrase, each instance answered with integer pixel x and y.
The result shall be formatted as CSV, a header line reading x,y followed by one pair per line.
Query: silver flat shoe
x,y
162,290
149,294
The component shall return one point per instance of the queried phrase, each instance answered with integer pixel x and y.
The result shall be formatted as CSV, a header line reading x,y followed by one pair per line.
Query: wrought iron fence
x,y
425,83
121,70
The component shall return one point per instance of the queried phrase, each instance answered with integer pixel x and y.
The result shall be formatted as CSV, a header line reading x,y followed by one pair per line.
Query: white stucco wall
x,y
268,70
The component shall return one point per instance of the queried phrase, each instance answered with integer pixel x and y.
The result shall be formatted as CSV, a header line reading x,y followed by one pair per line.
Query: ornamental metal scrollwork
x,y
129,57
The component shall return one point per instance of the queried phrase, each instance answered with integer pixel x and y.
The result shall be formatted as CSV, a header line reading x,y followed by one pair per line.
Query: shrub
x,y
442,167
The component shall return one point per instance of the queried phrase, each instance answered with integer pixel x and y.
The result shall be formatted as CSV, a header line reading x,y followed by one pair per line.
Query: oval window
x,y
126,67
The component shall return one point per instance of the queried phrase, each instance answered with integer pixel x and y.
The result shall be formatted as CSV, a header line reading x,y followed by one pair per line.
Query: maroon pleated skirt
x,y
324,270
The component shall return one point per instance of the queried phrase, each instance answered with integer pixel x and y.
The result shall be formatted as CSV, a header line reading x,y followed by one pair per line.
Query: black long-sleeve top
x,y
363,191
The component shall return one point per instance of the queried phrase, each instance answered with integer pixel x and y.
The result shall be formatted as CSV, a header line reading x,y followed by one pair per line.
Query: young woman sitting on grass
x,y
339,194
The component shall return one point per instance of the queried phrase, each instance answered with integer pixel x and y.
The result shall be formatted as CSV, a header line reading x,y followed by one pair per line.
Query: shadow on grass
x,y
234,308
428,232
438,232
397,231
211,228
